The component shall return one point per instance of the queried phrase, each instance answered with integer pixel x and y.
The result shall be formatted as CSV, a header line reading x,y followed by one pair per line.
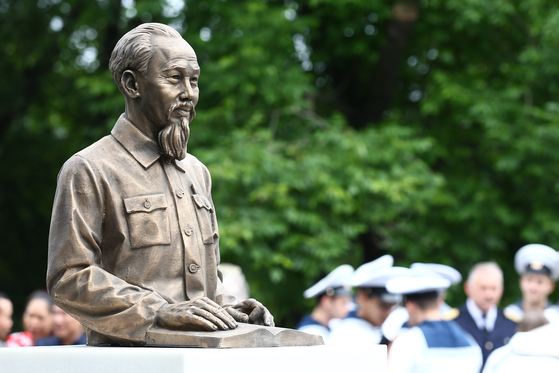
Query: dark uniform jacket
x,y
502,332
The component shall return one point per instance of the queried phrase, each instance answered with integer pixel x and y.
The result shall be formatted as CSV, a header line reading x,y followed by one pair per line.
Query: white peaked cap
x,y
535,257
339,277
416,282
377,278
384,261
445,271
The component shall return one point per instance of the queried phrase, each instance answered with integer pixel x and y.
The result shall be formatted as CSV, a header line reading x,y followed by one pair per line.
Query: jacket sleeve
x,y
76,279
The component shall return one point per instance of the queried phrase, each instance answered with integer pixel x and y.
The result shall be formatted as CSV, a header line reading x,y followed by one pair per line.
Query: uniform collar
x,y
141,147
487,322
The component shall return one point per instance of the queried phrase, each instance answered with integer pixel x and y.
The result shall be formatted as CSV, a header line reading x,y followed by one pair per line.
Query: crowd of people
x,y
44,324
404,308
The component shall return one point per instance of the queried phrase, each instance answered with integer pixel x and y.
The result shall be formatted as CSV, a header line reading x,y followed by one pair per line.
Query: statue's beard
x,y
174,136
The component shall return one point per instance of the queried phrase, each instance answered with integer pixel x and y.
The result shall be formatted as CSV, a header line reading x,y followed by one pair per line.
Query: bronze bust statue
x,y
134,243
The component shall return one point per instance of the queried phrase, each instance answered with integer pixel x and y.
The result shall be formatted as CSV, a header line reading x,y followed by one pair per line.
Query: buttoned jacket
x,y
131,232
502,331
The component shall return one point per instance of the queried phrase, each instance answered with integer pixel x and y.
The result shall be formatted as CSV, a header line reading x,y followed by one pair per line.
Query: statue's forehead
x,y
173,47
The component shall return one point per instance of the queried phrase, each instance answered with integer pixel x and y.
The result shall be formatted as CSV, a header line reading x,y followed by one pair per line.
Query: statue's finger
x,y
226,318
237,315
269,319
215,309
212,318
206,303
202,323
256,315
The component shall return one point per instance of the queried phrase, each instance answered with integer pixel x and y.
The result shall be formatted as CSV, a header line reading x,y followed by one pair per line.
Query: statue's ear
x,y
129,83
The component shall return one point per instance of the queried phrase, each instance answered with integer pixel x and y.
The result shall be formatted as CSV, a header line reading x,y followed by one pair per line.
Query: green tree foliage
x,y
335,131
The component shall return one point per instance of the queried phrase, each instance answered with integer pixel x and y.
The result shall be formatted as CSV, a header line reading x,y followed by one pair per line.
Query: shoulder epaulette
x,y
512,316
451,314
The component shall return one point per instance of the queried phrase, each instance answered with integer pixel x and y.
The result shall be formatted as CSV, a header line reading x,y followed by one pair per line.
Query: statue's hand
x,y
251,311
197,314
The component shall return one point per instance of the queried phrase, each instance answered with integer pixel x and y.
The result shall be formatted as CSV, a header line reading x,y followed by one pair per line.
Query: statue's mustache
x,y
181,105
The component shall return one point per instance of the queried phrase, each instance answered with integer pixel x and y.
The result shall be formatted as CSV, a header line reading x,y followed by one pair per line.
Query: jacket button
x,y
193,268
488,345
147,204
188,231
180,193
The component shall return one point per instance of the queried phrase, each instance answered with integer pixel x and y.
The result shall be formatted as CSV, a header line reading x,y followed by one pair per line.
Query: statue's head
x,y
157,72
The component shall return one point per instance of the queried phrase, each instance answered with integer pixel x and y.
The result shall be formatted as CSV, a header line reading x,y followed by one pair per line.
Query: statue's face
x,y
171,80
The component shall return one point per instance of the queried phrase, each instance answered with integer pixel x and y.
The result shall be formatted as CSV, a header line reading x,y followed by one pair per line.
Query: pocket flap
x,y
145,203
202,201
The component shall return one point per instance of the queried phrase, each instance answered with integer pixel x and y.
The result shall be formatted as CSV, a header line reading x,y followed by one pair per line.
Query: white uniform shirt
x,y
316,330
355,331
411,353
535,351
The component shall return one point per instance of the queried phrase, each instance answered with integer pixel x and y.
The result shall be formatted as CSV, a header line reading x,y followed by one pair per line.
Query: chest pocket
x,y
204,213
148,223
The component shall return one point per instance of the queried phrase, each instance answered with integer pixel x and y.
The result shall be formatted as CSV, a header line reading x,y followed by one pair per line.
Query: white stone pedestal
x,y
87,359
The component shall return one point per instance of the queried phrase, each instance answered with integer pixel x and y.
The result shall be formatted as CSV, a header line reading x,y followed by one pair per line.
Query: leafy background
x,y
335,131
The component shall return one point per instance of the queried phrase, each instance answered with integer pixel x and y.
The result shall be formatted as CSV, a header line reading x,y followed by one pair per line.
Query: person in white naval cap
x,y
333,296
373,301
431,345
538,267
445,271
396,323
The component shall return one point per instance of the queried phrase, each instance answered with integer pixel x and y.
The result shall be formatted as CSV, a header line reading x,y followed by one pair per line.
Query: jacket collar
x,y
141,147
486,322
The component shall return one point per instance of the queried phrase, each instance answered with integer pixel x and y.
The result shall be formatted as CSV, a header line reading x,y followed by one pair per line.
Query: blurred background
x,y
335,131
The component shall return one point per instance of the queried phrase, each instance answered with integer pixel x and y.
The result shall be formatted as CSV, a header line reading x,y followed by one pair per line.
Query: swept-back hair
x,y
134,50
483,266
